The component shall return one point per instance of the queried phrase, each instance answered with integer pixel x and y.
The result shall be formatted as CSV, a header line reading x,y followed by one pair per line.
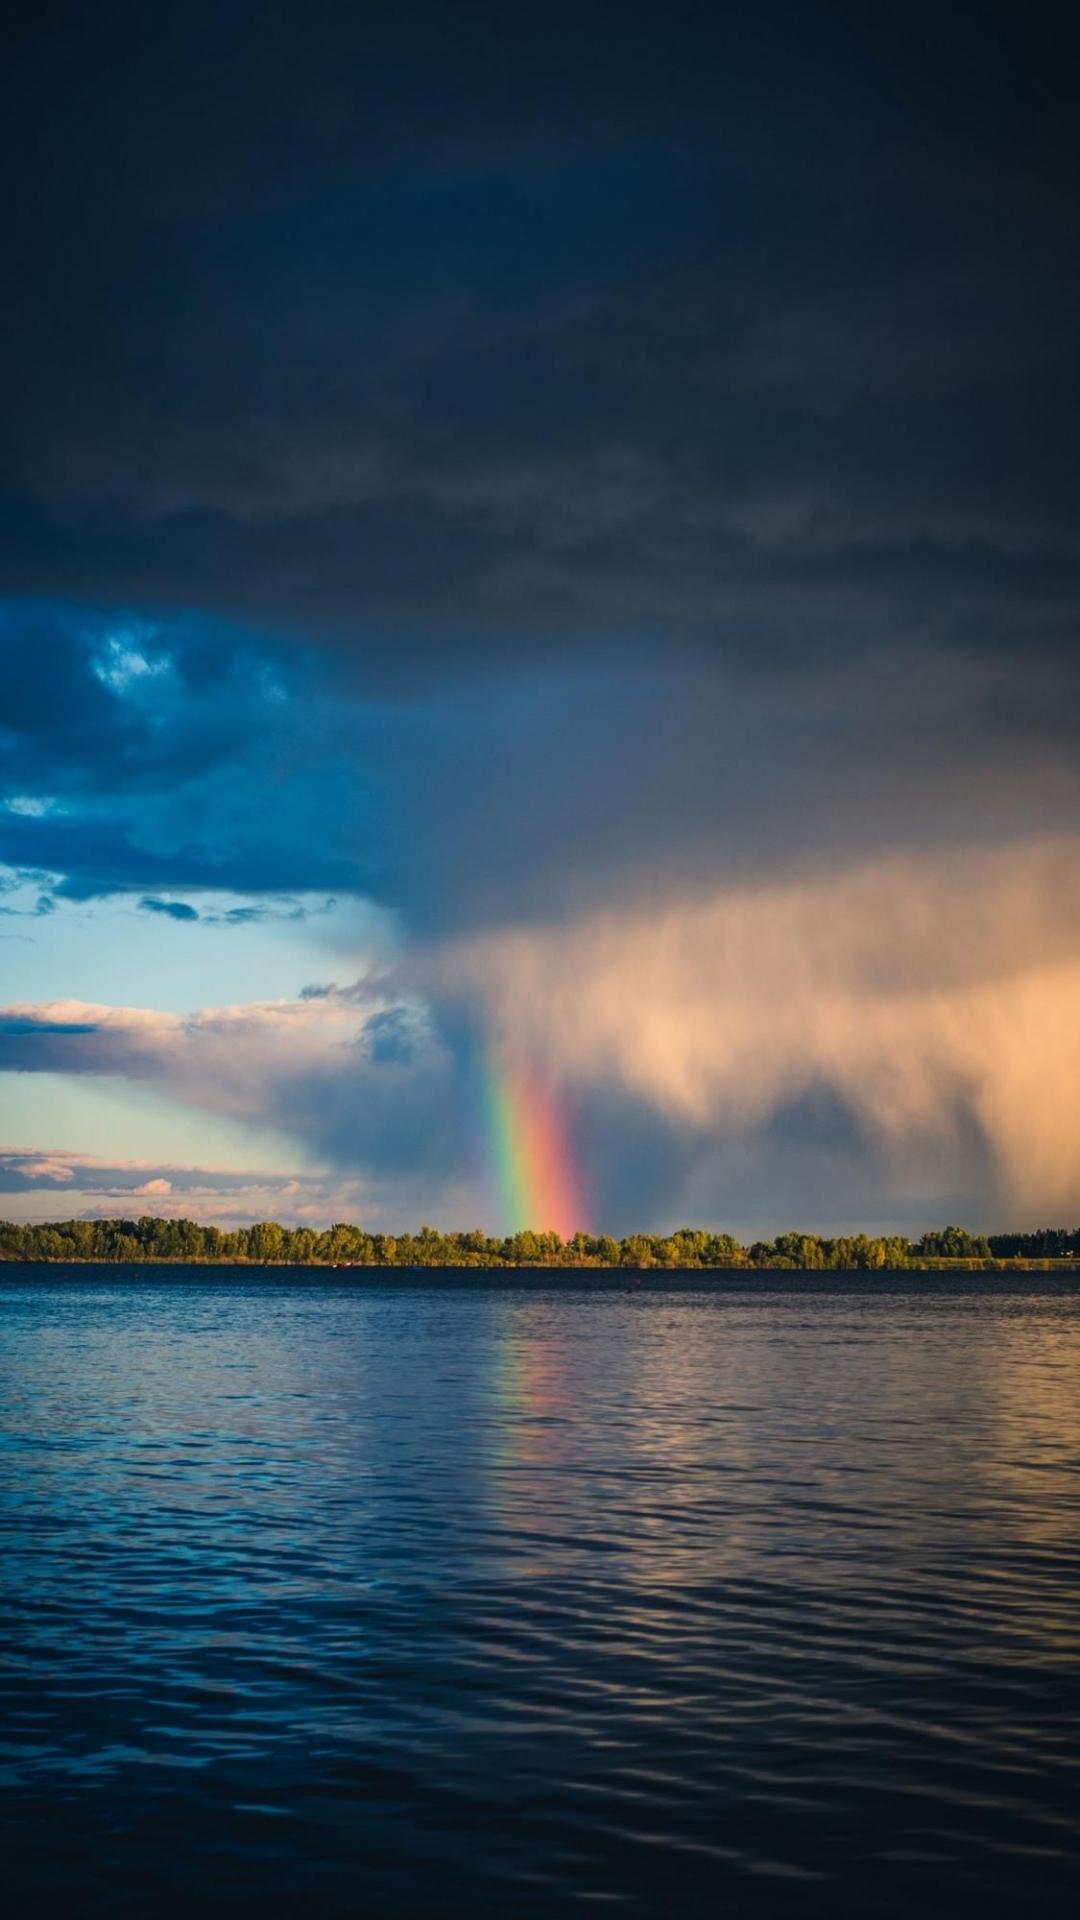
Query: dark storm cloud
x,y
687,370
463,341
538,465
94,700
548,795
152,757
535,795
103,855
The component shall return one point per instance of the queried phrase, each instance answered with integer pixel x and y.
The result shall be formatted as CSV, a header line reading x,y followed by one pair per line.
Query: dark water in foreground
x,y
366,1598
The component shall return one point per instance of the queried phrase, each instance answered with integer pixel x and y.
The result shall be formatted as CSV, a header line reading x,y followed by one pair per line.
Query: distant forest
x,y
266,1243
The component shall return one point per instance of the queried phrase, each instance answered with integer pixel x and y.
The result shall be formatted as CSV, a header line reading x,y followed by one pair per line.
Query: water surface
x,y
403,1596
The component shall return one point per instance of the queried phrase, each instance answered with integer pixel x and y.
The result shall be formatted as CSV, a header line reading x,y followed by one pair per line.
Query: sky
x,y
540,546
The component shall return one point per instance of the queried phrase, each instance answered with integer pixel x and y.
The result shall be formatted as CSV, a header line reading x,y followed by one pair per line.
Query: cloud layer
x,y
48,1184
743,333
571,536
934,997
894,1035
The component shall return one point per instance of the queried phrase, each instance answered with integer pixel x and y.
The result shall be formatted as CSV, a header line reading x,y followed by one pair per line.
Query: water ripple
x,y
480,1600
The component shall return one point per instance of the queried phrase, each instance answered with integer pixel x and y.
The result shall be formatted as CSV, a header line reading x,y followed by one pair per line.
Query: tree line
x,y
267,1243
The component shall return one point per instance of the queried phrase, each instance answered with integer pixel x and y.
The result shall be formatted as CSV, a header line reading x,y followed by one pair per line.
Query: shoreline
x,y
1064,1265
346,1247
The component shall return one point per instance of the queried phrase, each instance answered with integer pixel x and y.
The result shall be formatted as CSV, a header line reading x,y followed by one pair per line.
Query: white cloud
x,y
30,806
124,662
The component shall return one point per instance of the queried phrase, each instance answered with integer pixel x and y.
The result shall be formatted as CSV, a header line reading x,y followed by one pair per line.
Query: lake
x,y
516,1596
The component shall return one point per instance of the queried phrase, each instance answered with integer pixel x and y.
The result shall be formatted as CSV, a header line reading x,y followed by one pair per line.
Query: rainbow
x,y
531,1153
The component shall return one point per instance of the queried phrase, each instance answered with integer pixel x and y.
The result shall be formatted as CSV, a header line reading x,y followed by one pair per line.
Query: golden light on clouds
x,y
923,988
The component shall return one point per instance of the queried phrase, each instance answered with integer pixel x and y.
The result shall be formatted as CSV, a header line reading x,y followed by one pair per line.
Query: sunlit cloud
x,y
931,993
931,998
